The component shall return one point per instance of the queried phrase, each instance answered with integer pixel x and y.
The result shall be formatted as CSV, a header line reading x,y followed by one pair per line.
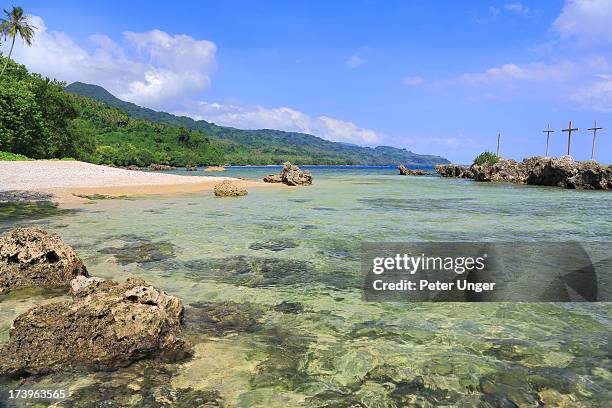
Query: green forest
x,y
41,118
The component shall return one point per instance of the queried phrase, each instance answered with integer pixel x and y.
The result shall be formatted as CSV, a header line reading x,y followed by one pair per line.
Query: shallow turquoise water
x,y
285,264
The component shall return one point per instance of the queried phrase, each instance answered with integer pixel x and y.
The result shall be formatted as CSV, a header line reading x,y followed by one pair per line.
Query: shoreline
x,y
65,180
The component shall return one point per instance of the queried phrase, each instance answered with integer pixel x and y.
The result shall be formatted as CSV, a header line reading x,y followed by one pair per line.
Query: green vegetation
x,y
39,119
16,25
486,158
123,141
13,157
36,116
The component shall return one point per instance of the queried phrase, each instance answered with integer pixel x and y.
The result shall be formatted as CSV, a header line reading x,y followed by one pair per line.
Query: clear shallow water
x,y
271,286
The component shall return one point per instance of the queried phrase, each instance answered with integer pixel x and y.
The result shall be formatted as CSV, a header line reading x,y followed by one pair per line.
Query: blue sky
x,y
435,77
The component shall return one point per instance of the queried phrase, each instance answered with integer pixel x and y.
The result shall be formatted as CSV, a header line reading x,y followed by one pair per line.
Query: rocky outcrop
x,y
454,170
542,171
563,172
290,175
214,168
405,171
228,189
504,170
32,257
104,326
160,167
191,168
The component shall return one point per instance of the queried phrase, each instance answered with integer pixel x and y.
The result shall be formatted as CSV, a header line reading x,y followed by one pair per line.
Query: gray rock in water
x,y
290,175
405,171
104,326
160,167
32,257
504,170
454,170
542,171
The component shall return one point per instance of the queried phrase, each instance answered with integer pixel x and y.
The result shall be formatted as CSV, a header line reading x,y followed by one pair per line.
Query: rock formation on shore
x,y
227,188
104,326
560,172
405,171
32,257
160,167
290,175
214,168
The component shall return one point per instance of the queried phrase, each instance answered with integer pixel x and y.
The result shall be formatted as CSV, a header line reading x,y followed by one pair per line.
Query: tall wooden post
x,y
569,131
594,129
548,132
498,136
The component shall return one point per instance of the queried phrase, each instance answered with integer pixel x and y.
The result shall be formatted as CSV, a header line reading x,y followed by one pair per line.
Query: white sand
x,y
42,174
67,179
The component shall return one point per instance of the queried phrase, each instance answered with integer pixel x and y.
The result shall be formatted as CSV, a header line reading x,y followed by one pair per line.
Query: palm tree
x,y
16,23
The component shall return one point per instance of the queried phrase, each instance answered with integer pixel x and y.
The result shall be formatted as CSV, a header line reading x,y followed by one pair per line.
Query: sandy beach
x,y
67,179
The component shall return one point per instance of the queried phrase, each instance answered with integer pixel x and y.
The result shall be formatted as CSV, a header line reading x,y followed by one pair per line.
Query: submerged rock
x,y
104,326
227,188
274,245
405,171
222,318
32,257
142,251
290,175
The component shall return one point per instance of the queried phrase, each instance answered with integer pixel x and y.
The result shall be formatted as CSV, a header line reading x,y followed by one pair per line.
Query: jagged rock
x,y
104,326
542,171
32,257
160,167
227,188
503,170
191,168
132,167
273,178
454,170
564,172
81,282
290,175
405,171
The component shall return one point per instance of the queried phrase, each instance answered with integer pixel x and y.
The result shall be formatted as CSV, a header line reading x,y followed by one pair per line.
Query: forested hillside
x,y
267,146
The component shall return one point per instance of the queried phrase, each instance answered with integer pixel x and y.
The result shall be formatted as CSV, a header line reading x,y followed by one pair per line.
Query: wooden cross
x,y
498,136
594,129
548,132
569,131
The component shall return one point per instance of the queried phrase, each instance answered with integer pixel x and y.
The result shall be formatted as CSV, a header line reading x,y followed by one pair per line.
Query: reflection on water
x,y
271,286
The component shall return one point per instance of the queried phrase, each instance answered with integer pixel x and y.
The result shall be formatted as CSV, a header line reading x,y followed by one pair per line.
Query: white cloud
x,y
494,10
163,69
513,72
517,8
413,80
586,20
355,61
597,95
284,118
